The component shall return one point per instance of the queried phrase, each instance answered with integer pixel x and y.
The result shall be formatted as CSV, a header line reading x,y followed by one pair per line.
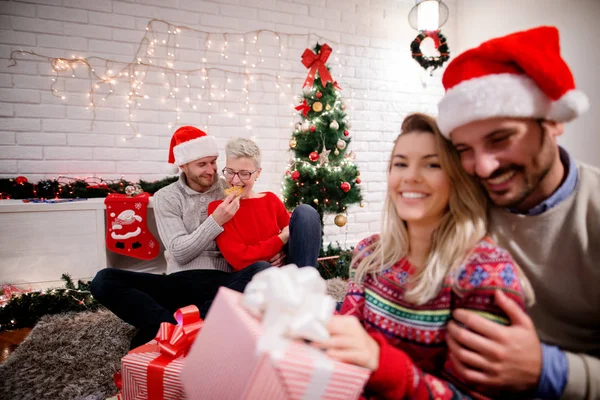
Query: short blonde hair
x,y
243,148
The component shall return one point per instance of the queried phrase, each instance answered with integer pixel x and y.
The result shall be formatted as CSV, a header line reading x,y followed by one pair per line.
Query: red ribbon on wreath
x,y
435,36
316,62
304,107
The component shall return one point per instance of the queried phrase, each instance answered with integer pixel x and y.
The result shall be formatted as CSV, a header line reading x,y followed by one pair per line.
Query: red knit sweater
x,y
252,234
413,359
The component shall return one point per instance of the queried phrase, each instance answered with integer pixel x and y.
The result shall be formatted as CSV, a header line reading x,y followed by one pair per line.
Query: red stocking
x,y
127,228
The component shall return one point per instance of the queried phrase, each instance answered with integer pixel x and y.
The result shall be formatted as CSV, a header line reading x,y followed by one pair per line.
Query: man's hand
x,y
227,209
351,343
489,354
278,259
285,234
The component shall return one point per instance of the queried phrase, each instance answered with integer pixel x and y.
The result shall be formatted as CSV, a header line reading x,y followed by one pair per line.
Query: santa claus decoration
x,y
127,230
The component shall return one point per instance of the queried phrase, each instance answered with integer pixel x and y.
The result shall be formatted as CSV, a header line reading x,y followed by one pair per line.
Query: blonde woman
x,y
432,257
262,229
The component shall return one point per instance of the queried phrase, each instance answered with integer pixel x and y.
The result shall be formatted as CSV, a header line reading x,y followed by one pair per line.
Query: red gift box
x,y
152,371
224,363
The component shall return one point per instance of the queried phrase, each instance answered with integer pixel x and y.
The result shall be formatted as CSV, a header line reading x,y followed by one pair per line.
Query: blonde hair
x,y
243,148
461,228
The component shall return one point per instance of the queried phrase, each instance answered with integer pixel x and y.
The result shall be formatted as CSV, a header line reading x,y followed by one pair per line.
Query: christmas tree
x,y
322,172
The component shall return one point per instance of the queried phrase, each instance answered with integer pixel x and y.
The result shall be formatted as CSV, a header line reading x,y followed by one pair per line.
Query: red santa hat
x,y
189,144
519,75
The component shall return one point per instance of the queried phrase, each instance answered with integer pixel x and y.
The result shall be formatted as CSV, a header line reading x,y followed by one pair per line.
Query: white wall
x,y
577,21
43,137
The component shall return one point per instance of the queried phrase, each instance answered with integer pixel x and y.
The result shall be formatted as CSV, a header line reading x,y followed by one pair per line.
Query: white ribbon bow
x,y
292,303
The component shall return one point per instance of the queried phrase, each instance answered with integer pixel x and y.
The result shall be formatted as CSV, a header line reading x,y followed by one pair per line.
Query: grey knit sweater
x,y
185,229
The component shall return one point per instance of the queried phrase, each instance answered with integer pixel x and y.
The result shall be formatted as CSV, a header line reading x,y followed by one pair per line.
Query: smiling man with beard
x,y
195,266
505,105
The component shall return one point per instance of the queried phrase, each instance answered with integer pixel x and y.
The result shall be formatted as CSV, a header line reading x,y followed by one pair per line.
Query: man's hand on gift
x,y
507,357
278,259
351,343
227,209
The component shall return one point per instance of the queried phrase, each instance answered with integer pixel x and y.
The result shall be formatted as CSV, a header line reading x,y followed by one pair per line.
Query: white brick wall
x,y
42,136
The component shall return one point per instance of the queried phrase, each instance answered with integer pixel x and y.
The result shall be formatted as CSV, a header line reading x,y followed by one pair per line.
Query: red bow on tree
x,y
304,107
316,62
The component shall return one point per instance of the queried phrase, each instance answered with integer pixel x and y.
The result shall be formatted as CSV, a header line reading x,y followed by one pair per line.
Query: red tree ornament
x,y
21,180
358,181
295,175
345,186
346,133
319,95
314,156
313,128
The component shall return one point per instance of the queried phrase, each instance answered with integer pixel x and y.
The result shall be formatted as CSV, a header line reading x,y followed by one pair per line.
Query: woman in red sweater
x,y
431,258
262,229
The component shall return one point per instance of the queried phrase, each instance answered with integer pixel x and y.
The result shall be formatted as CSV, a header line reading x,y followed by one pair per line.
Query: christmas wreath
x,y
441,45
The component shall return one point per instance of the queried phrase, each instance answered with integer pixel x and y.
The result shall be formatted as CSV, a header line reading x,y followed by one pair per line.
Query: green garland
x,y
25,310
430,62
70,188
339,263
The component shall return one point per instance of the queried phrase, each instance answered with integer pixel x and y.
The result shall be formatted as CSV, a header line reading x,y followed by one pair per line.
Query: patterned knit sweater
x,y
412,338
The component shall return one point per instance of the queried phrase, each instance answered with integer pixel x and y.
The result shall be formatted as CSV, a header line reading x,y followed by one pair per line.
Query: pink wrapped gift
x,y
235,358
152,371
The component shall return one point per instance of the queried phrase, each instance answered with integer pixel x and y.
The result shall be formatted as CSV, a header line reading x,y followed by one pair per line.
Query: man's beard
x,y
203,180
530,184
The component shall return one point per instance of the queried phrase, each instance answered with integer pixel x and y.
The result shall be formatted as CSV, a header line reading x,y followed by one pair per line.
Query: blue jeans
x,y
145,300
304,244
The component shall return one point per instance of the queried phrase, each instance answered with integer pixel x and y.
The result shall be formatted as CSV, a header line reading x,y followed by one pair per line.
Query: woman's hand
x,y
351,343
278,259
285,234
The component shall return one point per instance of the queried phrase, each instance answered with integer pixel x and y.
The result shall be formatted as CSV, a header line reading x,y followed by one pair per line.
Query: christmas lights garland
x,y
73,188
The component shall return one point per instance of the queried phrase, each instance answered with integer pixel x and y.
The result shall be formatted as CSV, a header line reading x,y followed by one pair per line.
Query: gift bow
x,y
176,340
316,62
291,302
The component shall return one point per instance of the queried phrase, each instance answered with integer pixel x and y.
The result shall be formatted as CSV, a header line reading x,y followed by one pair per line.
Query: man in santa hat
x,y
195,267
504,108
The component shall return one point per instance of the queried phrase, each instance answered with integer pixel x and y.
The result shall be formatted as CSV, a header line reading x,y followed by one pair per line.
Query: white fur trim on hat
x,y
505,95
499,95
195,149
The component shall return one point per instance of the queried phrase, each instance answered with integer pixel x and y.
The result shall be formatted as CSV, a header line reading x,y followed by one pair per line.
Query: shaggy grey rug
x,y
68,356
74,356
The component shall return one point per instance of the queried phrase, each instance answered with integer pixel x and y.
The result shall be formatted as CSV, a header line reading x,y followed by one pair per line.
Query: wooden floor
x,y
10,340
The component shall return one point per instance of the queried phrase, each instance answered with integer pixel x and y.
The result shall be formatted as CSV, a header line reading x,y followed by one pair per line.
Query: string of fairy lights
x,y
229,66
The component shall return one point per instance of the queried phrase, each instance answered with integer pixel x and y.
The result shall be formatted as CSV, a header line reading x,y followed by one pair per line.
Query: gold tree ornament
x,y
340,220
293,143
328,107
317,106
316,201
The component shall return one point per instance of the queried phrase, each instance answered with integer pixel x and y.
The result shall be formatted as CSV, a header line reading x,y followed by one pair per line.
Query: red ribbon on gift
x,y
173,341
434,35
316,62
304,107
